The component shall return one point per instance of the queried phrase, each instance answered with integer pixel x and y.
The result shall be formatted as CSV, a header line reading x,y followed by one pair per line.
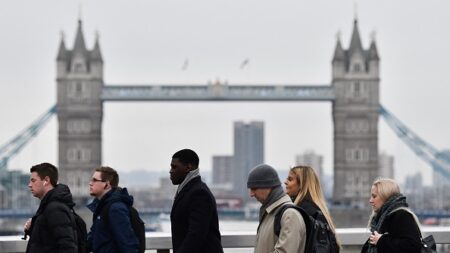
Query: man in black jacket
x,y
52,227
194,220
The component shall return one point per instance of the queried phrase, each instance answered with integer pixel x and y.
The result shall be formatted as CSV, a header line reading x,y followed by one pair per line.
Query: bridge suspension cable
x,y
439,161
15,145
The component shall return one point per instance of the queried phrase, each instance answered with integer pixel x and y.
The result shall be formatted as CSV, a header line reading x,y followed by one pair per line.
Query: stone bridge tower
x,y
355,114
80,111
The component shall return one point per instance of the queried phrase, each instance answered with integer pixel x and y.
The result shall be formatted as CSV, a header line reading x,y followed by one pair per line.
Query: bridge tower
x,y
80,112
355,78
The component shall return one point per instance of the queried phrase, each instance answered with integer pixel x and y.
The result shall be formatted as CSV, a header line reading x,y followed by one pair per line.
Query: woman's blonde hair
x,y
310,189
386,187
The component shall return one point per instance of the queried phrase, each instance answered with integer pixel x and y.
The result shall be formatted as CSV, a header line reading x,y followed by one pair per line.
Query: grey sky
x,y
286,42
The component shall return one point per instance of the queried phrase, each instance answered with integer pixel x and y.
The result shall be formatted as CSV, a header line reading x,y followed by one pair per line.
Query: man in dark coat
x,y
194,220
52,228
117,234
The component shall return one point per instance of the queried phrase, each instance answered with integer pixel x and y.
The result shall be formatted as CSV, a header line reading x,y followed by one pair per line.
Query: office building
x,y
248,152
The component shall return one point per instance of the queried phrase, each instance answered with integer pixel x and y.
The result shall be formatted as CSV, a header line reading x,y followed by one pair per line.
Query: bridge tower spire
x,y
80,112
355,78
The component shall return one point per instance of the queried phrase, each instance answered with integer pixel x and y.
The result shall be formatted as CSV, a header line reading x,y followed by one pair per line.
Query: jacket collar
x,y
96,204
185,188
279,202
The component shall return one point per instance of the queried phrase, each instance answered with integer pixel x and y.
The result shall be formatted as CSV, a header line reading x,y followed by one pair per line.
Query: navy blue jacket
x,y
194,220
118,235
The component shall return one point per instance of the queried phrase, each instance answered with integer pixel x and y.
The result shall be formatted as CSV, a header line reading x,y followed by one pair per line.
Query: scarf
x,y
191,175
274,195
390,205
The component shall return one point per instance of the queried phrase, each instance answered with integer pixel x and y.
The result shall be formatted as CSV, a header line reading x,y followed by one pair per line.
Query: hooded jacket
x,y
118,235
52,227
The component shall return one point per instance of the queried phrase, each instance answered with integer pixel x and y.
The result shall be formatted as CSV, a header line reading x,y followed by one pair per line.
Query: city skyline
x,y
155,43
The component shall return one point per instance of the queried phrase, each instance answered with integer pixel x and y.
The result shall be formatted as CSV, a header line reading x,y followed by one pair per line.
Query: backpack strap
x,y
279,214
277,221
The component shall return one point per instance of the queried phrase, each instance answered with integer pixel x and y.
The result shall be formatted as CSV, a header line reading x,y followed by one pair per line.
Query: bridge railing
x,y
351,239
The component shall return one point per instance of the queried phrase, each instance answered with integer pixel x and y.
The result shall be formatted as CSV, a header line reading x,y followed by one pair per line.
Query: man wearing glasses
x,y
114,234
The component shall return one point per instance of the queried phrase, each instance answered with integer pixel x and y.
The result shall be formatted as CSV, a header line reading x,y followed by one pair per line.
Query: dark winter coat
x,y
309,207
400,234
118,235
194,220
52,227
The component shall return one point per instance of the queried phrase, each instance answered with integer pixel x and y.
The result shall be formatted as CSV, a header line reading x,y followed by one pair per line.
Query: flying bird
x,y
185,64
244,63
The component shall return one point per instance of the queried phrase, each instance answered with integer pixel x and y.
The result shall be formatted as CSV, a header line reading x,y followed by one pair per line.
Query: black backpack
x,y
136,223
319,236
80,227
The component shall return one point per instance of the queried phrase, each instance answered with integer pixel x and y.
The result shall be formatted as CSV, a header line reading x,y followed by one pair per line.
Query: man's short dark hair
x,y
46,170
109,174
187,156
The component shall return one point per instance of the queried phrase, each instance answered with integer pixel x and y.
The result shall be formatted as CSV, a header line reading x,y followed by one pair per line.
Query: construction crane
x,y
15,145
439,161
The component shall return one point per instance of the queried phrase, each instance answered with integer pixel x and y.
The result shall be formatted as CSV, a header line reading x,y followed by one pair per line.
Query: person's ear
x,y
46,180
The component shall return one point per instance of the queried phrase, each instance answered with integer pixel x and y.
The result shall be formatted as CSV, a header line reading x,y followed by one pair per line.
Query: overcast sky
x,y
286,42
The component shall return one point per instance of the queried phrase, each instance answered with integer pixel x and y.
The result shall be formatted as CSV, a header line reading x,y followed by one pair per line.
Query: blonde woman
x,y
303,186
394,227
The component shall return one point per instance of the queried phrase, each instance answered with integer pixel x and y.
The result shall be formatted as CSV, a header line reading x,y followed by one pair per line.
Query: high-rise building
x,y
310,158
441,185
222,169
248,152
414,190
386,168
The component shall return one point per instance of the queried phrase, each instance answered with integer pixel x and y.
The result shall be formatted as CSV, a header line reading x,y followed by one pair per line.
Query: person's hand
x,y
373,238
27,225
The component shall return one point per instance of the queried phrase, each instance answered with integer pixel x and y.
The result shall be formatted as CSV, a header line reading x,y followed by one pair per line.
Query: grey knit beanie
x,y
263,176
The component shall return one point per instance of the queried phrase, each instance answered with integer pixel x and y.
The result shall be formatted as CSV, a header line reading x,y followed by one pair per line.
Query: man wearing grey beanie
x,y
265,187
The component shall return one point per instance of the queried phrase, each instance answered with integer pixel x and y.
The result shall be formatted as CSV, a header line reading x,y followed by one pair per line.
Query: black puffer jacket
x,y
52,227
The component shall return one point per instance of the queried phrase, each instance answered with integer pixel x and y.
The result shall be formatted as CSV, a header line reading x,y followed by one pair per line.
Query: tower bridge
x,y
353,93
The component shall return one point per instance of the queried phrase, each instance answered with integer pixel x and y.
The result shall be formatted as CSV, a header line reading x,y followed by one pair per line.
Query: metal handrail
x,y
162,243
